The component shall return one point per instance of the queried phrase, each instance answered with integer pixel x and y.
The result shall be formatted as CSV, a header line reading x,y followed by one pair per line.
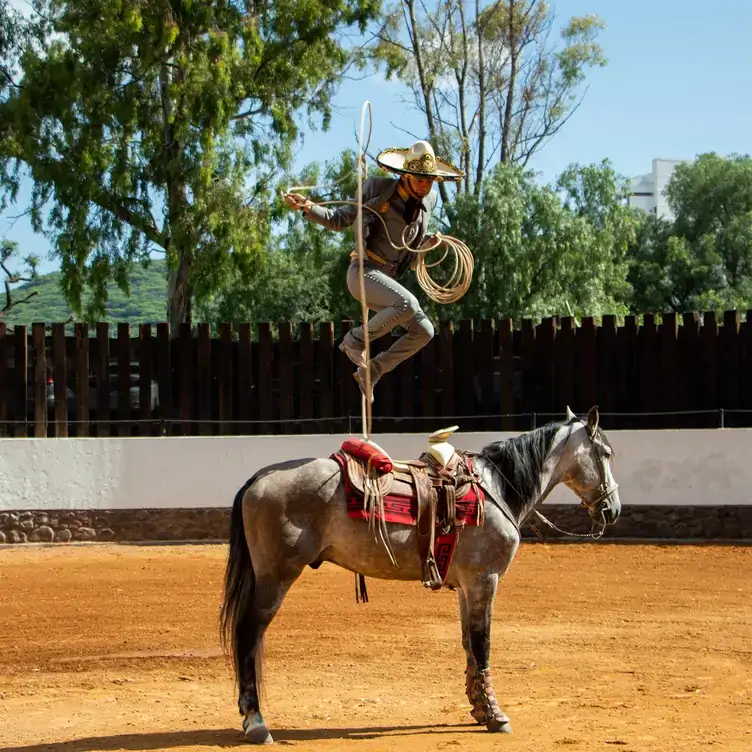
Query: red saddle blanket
x,y
403,509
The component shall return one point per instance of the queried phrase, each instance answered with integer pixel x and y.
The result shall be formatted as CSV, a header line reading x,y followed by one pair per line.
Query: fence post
x,y
245,377
728,361
484,366
5,390
82,379
305,382
587,380
669,367
447,367
60,378
564,360
102,379
266,360
204,372
709,355
225,380
545,342
286,378
39,392
164,374
649,369
506,368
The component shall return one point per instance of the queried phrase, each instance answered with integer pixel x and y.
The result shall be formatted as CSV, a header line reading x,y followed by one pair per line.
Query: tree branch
x,y
248,113
9,303
131,218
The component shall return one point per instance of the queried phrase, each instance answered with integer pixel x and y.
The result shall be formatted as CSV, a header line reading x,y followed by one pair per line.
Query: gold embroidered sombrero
x,y
418,160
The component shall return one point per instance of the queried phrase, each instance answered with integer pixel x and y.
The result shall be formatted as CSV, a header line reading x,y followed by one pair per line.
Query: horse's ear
x,y
570,414
592,419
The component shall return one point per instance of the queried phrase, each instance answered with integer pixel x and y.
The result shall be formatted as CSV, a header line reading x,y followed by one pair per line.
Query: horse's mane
x,y
517,463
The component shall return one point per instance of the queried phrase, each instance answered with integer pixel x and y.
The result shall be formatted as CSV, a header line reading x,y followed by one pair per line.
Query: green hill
x,y
146,304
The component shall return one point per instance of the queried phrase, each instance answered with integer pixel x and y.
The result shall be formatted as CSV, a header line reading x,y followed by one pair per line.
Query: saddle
x,y
424,492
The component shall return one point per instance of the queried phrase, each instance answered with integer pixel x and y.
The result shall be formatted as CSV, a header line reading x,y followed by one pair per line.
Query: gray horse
x,y
293,514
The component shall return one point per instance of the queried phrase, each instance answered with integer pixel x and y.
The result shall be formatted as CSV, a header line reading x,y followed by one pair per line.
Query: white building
x,y
647,190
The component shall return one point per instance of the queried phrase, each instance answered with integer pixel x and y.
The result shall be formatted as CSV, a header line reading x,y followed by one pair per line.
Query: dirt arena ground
x,y
595,647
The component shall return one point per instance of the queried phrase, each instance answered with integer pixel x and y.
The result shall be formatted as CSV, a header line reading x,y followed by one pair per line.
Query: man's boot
x,y
354,349
360,380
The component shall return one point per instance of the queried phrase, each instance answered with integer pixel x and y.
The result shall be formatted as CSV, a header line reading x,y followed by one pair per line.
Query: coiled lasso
x,y
450,292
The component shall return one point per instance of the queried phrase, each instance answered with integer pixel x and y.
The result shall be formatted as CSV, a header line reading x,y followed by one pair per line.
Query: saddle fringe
x,y
373,504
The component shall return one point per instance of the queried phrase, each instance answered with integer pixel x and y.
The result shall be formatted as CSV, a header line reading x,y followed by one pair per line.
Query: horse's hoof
x,y
499,726
255,730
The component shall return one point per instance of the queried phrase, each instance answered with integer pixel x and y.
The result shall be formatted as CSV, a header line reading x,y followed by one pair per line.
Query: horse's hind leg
x,y
476,606
271,589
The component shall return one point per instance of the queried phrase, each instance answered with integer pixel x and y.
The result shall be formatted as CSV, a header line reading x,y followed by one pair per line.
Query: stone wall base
x,y
132,525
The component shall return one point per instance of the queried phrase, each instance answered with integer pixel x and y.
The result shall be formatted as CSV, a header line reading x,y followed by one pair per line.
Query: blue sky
x,y
676,85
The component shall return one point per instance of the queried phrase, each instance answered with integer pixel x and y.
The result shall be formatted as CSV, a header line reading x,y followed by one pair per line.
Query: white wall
x,y
703,467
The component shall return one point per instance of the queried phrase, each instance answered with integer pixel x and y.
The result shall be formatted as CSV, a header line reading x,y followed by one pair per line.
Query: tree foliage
x,y
302,276
572,246
539,250
547,250
161,125
492,83
702,260
9,256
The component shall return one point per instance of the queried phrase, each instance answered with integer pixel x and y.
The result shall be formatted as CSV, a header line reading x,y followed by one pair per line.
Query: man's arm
x,y
344,215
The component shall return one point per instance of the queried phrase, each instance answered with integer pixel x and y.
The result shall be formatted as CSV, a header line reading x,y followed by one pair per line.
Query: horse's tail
x,y
239,589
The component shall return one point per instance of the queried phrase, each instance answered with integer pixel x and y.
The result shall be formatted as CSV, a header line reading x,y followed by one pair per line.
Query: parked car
x,y
50,397
134,392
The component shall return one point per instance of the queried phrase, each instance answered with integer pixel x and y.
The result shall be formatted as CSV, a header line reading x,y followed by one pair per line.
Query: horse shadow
x,y
233,738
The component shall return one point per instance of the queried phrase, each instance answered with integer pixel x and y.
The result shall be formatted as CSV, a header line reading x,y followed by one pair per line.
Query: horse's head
x,y
588,471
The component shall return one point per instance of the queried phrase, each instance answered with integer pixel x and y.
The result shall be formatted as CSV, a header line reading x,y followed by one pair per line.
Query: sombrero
x,y
418,160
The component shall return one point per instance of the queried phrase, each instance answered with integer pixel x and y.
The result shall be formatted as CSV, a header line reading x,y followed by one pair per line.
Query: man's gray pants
x,y
394,306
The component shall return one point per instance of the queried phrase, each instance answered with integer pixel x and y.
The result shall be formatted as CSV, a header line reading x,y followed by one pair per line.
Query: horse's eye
x,y
607,452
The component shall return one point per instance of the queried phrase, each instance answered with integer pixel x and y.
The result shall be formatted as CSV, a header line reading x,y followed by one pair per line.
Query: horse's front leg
x,y
476,606
470,669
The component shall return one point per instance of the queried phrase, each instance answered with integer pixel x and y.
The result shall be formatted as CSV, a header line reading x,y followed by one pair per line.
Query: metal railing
x,y
352,423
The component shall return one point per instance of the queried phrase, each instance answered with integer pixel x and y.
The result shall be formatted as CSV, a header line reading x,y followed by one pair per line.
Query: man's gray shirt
x,y
381,195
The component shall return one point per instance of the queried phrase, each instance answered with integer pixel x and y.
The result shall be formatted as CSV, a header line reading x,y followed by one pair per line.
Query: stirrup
x,y
431,576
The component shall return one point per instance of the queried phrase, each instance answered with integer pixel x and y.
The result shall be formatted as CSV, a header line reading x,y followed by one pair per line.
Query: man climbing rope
x,y
404,205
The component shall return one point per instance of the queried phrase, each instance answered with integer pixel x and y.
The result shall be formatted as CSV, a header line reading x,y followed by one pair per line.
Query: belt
x,y
373,257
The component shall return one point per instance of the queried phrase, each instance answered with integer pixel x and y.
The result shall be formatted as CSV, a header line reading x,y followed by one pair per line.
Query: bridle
x,y
596,507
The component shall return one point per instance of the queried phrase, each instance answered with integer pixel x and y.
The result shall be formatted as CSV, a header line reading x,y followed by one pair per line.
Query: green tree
x,y
491,83
302,277
9,257
546,250
702,260
159,125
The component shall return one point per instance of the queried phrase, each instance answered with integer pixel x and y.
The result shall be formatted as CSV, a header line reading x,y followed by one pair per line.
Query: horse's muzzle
x,y
610,514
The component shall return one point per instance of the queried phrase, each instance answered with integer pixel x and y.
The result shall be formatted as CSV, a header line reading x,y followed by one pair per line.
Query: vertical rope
x,y
365,403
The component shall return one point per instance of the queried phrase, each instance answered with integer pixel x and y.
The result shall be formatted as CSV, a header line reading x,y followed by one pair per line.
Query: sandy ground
x,y
595,647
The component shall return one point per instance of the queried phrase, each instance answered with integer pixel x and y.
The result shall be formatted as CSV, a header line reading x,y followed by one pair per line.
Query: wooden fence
x,y
665,372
